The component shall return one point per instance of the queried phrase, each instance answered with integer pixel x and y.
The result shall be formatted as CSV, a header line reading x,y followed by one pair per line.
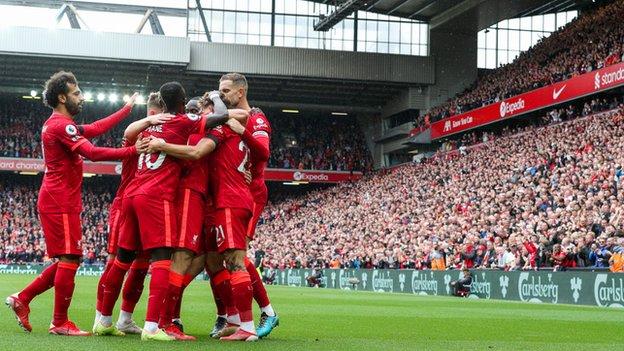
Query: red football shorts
x,y
230,229
191,208
62,233
114,225
257,211
148,223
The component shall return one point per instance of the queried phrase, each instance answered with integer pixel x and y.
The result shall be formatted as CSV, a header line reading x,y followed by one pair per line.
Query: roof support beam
x,y
342,11
397,7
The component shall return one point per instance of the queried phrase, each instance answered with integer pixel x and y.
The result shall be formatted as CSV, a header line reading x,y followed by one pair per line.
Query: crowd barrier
x,y
573,287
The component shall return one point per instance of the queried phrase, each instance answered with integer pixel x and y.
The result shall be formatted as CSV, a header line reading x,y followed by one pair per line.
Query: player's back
x,y
158,175
228,164
62,180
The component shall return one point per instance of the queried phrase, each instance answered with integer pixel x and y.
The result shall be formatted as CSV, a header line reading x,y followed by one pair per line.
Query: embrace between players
x,y
191,192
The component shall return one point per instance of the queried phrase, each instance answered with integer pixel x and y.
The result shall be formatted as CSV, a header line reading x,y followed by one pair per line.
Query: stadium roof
x,y
483,13
20,74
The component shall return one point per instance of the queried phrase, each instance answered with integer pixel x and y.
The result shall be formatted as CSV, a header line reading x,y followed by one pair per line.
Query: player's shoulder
x,y
58,124
259,120
257,113
189,117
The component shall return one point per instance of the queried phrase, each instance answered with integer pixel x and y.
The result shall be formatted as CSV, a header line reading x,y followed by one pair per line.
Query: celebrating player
x,y
233,206
150,221
256,135
60,203
133,286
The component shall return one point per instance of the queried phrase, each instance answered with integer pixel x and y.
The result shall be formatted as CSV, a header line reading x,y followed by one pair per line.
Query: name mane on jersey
x,y
157,128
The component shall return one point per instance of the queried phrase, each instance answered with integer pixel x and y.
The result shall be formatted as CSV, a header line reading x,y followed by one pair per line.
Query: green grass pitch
x,y
323,319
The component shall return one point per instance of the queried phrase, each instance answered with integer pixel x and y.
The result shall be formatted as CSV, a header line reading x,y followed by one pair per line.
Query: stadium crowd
x,y
592,41
303,143
20,230
548,197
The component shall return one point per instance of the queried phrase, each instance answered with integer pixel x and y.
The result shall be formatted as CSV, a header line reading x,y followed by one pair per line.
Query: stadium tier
x,y
588,43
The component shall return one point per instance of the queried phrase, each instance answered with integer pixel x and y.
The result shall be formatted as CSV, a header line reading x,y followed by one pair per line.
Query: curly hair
x,y
57,84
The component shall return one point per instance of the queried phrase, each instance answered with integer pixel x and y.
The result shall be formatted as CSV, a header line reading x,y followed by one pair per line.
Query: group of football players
x,y
192,190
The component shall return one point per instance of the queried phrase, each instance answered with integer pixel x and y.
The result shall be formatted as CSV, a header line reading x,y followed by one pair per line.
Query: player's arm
x,y
185,152
220,114
258,142
105,124
95,153
136,127
238,114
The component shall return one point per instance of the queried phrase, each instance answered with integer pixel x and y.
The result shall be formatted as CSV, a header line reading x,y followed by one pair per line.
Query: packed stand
x,y
548,197
305,142
21,236
589,42
298,143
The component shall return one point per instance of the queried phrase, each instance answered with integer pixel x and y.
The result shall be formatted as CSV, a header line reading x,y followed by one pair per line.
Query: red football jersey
x,y
128,169
62,182
158,175
228,164
259,127
195,173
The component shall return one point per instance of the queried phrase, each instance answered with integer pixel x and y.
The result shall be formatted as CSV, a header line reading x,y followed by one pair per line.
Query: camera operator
x,y
314,279
461,287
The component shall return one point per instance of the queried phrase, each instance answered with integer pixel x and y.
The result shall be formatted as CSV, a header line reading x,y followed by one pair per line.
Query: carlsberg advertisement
x,y
578,288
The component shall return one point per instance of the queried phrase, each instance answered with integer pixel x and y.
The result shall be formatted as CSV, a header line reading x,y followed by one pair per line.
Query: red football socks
x,y
38,286
133,287
157,289
63,290
242,294
259,292
221,290
112,286
178,307
174,291
100,288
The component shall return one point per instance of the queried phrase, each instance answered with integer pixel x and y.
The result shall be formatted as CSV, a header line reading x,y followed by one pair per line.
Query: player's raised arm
x,y
220,114
258,142
136,127
105,124
95,153
185,152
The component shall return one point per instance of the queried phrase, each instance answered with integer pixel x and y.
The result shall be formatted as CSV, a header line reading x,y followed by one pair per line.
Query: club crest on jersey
x,y
260,121
71,130
192,116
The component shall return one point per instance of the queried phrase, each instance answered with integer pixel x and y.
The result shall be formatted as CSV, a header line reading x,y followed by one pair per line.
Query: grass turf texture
x,y
324,319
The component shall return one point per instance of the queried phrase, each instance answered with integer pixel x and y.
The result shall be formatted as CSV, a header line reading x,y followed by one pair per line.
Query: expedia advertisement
x,y
579,288
114,168
550,95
